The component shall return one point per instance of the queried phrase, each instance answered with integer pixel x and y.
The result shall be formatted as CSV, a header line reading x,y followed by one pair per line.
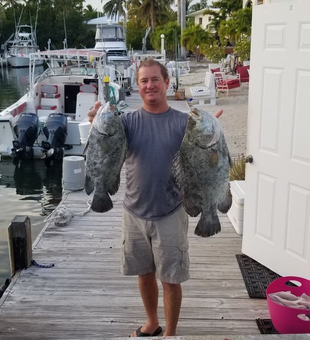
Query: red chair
x,y
224,84
243,72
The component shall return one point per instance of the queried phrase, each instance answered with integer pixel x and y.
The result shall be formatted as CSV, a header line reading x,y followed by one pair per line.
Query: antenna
x,y
65,41
35,26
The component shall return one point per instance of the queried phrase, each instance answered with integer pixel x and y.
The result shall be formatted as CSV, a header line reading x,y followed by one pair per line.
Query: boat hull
x,y
22,61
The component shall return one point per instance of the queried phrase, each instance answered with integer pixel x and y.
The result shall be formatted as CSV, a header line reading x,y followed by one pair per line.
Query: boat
x,y
24,43
110,37
50,120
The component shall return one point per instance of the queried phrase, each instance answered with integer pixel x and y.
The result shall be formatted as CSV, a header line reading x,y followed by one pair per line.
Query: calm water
x,y
31,189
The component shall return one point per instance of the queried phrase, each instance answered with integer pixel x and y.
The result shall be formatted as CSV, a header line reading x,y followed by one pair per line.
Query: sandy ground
x,y
235,106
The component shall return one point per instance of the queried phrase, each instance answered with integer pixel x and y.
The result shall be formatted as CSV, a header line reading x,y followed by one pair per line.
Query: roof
x,y
194,14
101,20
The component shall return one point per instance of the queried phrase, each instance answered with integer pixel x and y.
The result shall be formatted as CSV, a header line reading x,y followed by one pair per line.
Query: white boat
x,y
111,38
50,121
24,43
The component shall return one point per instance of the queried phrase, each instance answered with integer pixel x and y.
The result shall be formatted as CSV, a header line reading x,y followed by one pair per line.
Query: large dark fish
x,y
202,169
105,154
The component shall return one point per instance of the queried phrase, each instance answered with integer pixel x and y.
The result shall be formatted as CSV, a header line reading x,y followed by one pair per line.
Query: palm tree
x,y
194,36
9,3
229,30
149,11
115,8
89,12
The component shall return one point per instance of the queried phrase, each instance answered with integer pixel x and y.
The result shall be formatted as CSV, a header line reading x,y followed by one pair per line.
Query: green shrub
x,y
243,49
214,53
237,171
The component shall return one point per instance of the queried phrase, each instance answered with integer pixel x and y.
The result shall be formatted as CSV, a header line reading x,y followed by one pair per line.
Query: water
x,y
31,189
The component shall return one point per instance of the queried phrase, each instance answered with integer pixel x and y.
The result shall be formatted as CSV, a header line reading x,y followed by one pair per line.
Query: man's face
x,y
152,86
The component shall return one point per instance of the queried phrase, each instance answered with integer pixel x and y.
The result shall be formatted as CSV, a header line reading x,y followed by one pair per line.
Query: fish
x,y
105,154
201,168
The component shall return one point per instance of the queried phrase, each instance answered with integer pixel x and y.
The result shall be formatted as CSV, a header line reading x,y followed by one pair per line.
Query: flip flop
x,y
142,334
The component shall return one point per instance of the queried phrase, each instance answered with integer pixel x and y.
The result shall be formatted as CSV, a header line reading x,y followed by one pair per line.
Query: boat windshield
x,y
110,33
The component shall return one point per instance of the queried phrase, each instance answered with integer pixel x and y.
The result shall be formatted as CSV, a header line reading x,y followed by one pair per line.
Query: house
x,y
201,19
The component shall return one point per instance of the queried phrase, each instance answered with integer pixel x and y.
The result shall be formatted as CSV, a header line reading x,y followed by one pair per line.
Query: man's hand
x,y
218,114
92,112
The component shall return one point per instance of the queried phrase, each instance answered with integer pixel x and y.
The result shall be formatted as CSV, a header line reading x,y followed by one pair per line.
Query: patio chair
x,y
205,92
224,83
215,68
244,74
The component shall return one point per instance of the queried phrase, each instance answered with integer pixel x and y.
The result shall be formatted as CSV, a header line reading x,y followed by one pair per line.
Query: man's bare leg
x,y
172,306
149,294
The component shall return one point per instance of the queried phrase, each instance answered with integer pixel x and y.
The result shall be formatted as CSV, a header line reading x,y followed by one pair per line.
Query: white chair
x,y
85,99
50,100
205,92
224,83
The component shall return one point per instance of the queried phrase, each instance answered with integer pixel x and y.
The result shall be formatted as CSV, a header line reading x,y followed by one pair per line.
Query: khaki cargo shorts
x,y
159,246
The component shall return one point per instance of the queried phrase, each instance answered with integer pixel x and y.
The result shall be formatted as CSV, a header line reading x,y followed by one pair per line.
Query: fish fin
x,y
208,225
101,204
86,147
89,185
115,186
230,160
226,203
176,169
190,207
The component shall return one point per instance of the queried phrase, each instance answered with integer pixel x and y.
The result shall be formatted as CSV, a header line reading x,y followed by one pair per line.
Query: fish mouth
x,y
195,113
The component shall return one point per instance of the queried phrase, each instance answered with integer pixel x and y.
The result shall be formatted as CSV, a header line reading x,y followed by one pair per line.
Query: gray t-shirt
x,y
153,141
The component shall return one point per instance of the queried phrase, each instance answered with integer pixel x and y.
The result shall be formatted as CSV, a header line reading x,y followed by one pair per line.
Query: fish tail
x,y
101,203
208,225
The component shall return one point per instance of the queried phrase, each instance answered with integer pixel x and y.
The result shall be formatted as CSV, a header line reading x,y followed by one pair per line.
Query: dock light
x,y
91,58
106,79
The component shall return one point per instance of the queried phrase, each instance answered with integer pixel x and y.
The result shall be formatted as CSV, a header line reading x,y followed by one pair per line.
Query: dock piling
x,y
20,244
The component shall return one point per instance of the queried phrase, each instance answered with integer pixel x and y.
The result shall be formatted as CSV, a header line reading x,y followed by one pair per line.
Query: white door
x,y
277,199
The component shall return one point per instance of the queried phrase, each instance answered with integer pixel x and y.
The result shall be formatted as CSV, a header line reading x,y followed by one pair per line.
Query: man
x,y
154,239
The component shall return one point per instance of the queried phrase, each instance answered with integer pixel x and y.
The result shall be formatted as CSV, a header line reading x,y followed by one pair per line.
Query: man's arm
x,y
92,112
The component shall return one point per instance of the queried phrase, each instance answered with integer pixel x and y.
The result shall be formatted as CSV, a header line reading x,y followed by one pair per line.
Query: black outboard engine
x,y
55,130
26,130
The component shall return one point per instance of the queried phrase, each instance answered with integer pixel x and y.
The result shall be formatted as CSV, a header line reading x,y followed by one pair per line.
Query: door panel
x,y
276,229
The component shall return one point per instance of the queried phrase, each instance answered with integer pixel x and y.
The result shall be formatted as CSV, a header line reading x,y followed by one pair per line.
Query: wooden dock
x,y
84,296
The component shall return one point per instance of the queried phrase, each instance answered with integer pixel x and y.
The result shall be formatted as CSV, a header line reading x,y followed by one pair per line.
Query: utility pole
x,y
179,12
182,4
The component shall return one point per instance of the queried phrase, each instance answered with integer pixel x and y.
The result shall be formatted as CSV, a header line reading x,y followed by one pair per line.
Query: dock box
x,y
235,213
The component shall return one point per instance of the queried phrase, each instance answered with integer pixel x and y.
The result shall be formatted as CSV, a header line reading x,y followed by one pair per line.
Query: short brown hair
x,y
153,62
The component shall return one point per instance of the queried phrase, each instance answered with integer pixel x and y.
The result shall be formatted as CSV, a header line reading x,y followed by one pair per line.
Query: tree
x,y
172,33
115,8
221,10
89,13
193,37
135,32
9,3
150,12
197,6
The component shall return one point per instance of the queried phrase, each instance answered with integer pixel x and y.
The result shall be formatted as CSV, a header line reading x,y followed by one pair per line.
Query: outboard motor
x,y
55,130
26,130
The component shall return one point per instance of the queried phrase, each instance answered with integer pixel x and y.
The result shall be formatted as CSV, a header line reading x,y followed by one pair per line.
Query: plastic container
x,y
285,319
84,128
235,213
73,177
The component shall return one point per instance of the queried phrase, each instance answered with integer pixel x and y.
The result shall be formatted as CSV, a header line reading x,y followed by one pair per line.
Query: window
x,y
200,21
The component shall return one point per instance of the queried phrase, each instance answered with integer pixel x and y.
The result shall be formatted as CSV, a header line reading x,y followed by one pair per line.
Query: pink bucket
x,y
285,319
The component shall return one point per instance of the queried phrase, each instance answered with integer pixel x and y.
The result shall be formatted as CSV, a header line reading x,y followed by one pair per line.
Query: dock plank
x,y
84,296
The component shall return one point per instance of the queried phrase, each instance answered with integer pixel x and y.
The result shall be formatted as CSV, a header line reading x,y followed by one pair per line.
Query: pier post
x,y
20,244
